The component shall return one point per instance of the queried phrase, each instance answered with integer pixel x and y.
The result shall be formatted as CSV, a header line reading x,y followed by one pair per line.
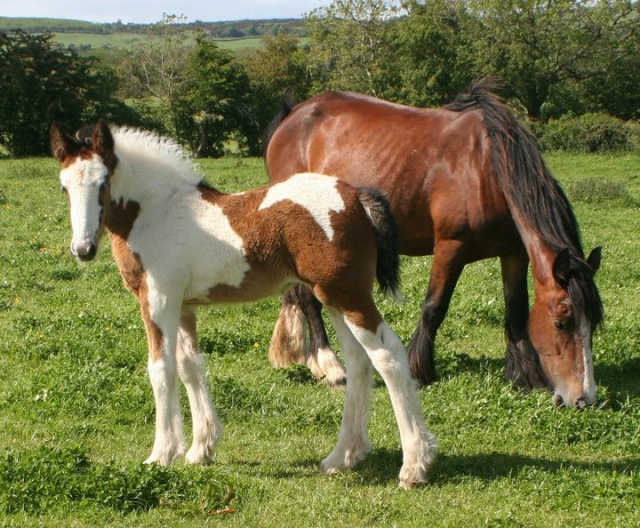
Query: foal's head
x,y
87,161
563,318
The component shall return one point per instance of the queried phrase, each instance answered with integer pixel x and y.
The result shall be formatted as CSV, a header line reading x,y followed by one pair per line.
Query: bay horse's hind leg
x,y
384,350
288,344
446,268
523,366
206,425
320,358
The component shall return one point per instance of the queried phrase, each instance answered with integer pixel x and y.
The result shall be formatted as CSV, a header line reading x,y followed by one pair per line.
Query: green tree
x,y
277,70
537,46
213,104
152,73
614,89
348,45
432,52
40,83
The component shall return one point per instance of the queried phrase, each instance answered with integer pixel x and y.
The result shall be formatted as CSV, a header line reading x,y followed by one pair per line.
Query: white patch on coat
x,y
317,193
82,181
589,382
204,250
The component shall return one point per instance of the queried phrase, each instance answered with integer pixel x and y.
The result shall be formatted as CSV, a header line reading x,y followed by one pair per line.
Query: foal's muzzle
x,y
84,251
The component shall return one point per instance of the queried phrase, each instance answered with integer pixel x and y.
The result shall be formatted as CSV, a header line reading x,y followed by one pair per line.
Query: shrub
x,y
590,133
601,191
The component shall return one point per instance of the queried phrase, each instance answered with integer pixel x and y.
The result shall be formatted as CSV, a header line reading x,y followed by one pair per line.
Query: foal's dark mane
x,y
531,189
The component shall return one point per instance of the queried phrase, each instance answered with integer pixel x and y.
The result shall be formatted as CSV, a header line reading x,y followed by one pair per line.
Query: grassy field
x,y
76,409
128,40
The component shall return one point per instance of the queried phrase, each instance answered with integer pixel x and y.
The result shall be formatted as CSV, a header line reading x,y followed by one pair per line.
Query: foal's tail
x,y
388,263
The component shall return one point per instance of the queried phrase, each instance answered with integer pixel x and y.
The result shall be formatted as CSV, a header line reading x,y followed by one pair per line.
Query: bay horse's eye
x,y
564,325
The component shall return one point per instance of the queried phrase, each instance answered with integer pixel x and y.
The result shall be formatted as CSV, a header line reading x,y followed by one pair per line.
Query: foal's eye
x,y
560,325
63,189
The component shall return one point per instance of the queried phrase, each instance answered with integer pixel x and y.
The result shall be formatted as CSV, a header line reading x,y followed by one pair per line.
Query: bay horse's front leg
x,y
523,366
446,268
161,324
207,428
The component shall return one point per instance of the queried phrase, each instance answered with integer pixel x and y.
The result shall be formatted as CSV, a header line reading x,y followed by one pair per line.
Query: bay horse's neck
x,y
541,257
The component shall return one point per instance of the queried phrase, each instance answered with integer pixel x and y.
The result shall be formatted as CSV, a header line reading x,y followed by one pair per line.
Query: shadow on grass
x,y
493,466
621,379
382,466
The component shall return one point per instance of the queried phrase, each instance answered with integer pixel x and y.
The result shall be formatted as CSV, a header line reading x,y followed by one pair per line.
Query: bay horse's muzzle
x,y
85,250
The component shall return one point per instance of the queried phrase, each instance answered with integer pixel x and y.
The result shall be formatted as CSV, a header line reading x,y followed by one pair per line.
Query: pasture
x,y
76,408
129,40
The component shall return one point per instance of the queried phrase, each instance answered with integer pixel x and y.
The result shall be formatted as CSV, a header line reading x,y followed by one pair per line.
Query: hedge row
x,y
596,132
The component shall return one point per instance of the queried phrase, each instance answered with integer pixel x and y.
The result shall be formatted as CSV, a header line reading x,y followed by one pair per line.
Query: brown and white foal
x,y
179,244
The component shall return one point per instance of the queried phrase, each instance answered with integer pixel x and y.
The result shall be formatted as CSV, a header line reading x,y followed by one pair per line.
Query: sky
x,y
151,11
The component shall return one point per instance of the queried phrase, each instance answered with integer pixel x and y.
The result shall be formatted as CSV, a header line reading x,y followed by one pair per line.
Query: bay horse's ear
x,y
102,141
62,145
562,267
594,259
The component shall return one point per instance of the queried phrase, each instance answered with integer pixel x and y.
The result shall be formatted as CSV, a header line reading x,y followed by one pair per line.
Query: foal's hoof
x,y
340,460
198,456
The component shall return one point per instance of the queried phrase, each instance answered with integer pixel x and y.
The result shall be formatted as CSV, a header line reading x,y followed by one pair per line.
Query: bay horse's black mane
x,y
530,188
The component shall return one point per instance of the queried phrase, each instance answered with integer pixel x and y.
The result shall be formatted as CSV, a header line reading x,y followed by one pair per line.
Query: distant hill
x,y
216,30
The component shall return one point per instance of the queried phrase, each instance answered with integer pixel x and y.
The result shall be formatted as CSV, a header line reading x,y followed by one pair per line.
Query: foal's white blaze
x,y
82,181
311,192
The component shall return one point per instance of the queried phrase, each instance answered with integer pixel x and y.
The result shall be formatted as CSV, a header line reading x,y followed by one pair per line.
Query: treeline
x,y
571,68
217,30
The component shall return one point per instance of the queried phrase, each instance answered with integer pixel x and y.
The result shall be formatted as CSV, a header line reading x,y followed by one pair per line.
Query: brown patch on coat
x,y
119,220
285,245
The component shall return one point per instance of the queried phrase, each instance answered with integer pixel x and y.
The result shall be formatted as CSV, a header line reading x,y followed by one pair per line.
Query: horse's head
x,y
87,161
566,311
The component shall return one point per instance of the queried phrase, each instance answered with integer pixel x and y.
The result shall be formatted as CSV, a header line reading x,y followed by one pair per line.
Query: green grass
x,y
127,40
76,410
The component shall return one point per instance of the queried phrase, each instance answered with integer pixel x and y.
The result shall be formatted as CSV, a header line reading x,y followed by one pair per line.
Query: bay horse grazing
x,y
465,182
179,243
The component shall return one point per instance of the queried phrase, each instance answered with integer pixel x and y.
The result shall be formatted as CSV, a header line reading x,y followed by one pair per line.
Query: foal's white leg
x,y
353,444
206,425
161,324
389,358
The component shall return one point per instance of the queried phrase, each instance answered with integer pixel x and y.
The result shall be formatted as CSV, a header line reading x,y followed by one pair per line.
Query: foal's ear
x,y
62,145
562,267
102,140
594,259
